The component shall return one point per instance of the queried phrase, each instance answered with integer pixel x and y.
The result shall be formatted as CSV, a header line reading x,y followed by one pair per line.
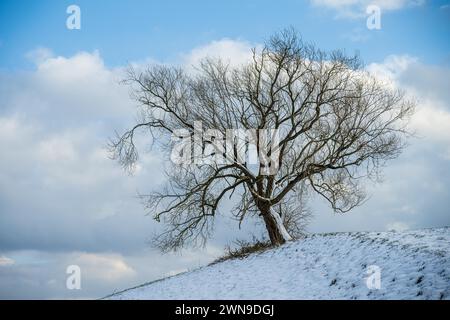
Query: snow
x,y
413,264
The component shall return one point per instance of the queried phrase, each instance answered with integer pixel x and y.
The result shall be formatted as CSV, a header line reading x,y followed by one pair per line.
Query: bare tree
x,y
336,125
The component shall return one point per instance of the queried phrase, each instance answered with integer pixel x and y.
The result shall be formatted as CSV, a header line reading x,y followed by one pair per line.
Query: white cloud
x,y
39,55
56,149
42,274
392,67
61,191
63,91
59,183
432,121
104,267
5,261
357,8
70,71
414,191
432,117
235,52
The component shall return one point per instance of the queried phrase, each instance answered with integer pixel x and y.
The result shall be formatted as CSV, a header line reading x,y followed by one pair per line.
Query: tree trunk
x,y
274,225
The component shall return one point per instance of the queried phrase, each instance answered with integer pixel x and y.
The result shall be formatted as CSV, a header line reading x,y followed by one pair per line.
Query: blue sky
x,y
64,202
133,30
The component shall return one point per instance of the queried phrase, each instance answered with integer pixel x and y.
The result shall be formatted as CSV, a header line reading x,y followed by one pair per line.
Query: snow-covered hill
x,y
412,264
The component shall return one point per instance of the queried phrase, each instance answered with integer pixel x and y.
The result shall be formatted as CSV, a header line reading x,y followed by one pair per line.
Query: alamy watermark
x,y
373,21
73,21
238,146
373,280
73,281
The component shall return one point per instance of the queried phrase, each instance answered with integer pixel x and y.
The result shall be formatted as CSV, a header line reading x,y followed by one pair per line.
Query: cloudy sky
x,y
63,202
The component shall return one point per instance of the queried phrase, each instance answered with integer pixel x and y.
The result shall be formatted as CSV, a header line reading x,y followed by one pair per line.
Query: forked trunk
x,y
274,225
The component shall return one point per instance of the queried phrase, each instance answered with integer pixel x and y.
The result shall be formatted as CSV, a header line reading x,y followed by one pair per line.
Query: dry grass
x,y
243,249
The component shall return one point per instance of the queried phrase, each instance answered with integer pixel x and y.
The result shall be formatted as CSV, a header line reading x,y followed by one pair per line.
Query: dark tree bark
x,y
273,229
